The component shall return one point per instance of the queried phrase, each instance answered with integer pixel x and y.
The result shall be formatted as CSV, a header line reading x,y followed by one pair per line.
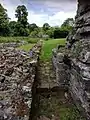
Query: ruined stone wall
x,y
78,77
61,69
17,75
80,71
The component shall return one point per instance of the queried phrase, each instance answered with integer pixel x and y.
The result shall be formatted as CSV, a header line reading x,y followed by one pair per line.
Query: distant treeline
x,y
21,27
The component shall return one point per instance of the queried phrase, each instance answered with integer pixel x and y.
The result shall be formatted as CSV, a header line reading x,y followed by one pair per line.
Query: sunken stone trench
x,y
72,69
50,100
32,91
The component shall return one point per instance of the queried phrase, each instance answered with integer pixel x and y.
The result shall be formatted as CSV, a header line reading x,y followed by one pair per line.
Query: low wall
x,y
61,69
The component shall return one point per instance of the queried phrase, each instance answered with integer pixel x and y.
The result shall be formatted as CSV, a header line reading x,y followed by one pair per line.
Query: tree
x,y
34,34
50,32
40,34
65,28
22,24
12,26
4,21
46,27
32,27
60,33
68,22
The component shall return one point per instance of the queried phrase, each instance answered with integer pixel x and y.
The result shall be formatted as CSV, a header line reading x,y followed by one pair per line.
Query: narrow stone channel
x,y
50,102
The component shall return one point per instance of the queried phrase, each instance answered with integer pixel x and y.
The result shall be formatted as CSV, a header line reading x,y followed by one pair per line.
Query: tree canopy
x,y
68,22
46,27
4,22
22,24
21,27
32,27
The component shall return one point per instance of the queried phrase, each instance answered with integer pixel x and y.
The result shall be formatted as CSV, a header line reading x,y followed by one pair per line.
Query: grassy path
x,y
48,46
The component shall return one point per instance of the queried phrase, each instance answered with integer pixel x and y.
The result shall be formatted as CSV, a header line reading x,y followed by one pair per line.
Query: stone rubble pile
x,y
17,74
11,44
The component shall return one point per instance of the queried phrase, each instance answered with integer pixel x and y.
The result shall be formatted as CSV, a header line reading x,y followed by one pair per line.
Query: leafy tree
x,y
22,24
34,34
12,26
40,34
4,21
68,22
59,33
50,32
65,28
32,27
46,27
21,14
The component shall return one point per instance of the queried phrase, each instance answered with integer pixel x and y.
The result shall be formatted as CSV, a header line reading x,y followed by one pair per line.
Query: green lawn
x,y
26,47
48,46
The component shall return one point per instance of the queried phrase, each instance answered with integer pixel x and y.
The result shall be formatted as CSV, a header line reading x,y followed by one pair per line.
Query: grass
x,y
48,46
18,39
26,47
58,106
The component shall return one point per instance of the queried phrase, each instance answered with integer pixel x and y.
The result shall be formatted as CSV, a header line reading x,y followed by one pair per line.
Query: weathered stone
x,y
79,73
2,78
60,57
85,55
17,74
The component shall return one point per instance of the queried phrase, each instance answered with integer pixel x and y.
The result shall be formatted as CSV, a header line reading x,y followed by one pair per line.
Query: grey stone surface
x,y
79,73
17,74
60,68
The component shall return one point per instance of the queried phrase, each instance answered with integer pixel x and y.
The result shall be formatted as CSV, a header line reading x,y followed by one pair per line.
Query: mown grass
x,y
46,53
47,47
26,47
18,39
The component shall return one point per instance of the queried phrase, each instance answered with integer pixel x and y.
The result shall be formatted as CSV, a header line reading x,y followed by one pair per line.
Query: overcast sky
x,y
53,12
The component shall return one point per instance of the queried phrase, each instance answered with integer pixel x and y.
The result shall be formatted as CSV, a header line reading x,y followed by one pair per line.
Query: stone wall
x,y
12,44
78,62
61,69
17,74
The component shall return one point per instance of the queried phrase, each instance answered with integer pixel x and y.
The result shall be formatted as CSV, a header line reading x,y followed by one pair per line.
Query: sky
x,y
53,12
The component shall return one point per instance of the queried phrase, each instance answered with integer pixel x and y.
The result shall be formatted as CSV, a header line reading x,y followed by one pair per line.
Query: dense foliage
x,y
21,27
22,24
4,22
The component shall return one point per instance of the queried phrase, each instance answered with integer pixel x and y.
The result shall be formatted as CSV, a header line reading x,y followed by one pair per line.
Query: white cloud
x,y
54,20
10,9
59,17
65,5
40,18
